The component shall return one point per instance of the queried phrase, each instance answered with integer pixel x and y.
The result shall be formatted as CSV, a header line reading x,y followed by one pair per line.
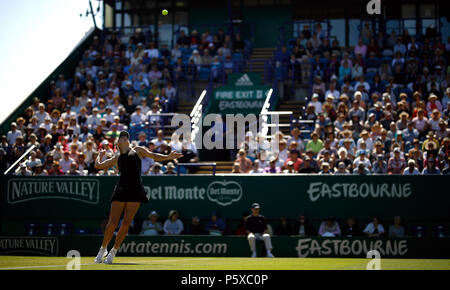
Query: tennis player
x,y
129,192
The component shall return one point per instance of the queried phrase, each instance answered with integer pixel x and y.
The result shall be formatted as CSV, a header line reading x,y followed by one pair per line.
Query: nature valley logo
x,y
83,190
47,246
244,80
224,192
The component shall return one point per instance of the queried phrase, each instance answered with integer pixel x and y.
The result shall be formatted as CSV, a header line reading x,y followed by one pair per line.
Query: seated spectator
x,y
294,158
151,226
341,169
397,230
160,143
307,166
273,168
431,168
325,168
315,144
362,159
329,228
350,229
23,170
379,166
173,225
302,227
244,162
195,228
411,169
374,228
361,170
170,169
156,169
215,226
55,170
283,228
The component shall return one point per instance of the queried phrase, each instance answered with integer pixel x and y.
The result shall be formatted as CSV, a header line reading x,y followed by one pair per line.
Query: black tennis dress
x,y
130,187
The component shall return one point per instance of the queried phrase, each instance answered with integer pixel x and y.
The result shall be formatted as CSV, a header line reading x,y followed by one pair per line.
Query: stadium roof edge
x,y
67,65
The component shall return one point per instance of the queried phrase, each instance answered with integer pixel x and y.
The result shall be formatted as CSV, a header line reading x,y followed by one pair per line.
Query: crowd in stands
x,y
120,83
380,107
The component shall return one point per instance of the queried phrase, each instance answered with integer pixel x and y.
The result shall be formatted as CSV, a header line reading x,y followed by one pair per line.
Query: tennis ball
x,y
165,12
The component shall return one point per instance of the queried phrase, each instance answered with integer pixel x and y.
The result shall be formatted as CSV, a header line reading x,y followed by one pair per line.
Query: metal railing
x,y
213,164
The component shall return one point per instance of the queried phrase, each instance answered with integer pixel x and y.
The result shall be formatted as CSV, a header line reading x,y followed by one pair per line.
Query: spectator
x,y
156,169
55,169
411,169
215,226
315,144
151,226
195,228
173,225
431,168
23,170
307,166
283,228
256,228
302,227
13,134
379,166
396,164
397,230
341,169
350,229
272,166
245,163
374,228
329,228
170,169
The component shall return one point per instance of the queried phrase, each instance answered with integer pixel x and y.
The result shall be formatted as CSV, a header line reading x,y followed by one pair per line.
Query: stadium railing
x,y
181,167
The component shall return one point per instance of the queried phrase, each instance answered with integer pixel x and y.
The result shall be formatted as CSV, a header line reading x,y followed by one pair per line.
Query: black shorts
x,y
129,195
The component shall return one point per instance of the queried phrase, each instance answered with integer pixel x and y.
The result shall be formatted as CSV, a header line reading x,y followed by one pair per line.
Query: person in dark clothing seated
x,y
350,229
307,167
283,228
195,228
215,225
302,227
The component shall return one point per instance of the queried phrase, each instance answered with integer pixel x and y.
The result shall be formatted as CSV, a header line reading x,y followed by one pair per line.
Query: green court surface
x,y
196,263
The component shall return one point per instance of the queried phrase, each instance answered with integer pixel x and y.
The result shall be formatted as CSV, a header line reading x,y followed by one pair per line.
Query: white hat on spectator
x,y
105,142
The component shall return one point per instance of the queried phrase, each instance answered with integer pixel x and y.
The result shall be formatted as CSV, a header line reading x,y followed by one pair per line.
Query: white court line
x,y
88,264
46,266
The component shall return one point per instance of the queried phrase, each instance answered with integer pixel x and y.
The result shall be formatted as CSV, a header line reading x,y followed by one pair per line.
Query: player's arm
x,y
144,152
108,163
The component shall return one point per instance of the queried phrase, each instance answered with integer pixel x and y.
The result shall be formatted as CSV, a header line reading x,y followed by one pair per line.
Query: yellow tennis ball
x,y
165,12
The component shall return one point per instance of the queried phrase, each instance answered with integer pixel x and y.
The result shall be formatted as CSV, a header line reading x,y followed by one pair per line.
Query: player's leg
x,y
117,209
130,211
114,217
252,242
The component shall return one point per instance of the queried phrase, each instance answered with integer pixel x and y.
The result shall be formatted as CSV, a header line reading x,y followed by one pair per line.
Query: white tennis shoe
x,y
110,257
254,254
101,254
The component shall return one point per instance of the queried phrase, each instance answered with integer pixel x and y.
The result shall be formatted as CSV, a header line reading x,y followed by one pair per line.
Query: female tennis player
x,y
129,192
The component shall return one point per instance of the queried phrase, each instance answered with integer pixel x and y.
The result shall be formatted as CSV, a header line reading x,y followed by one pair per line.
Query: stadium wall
x,y
208,246
67,68
414,198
